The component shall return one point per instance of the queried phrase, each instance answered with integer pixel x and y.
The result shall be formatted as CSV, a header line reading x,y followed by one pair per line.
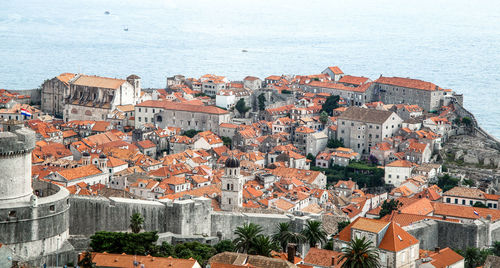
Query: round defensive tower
x,y
34,217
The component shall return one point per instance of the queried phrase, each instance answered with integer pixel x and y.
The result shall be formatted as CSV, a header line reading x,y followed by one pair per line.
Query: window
x,y
139,110
12,214
470,202
456,201
52,208
448,200
463,202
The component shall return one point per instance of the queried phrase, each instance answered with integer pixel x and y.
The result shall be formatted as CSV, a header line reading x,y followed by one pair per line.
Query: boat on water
x,y
244,50
106,12
125,29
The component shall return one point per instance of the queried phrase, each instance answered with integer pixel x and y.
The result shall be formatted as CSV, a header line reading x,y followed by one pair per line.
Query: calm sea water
x,y
455,44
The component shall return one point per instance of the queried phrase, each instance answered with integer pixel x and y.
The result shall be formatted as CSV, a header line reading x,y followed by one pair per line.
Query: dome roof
x,y
133,76
232,162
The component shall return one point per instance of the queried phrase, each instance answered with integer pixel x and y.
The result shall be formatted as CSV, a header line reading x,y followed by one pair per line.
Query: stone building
x,y
398,90
232,185
354,96
395,246
33,216
362,128
94,97
183,115
334,72
54,92
253,83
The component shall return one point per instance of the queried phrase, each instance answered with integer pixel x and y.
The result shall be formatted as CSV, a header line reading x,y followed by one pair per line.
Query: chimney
x,y
291,252
437,249
333,261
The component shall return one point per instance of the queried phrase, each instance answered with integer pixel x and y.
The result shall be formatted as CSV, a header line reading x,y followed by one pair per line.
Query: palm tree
x,y
136,221
314,233
360,253
283,236
263,245
246,235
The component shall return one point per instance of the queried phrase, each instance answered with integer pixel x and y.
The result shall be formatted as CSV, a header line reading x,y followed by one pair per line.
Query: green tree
x,y
129,243
388,207
474,257
334,143
263,245
245,236
360,253
331,103
311,158
242,107
225,246
323,118
284,236
314,233
479,205
496,248
196,250
191,133
262,102
86,261
341,225
469,182
136,221
164,250
467,121
227,141
446,182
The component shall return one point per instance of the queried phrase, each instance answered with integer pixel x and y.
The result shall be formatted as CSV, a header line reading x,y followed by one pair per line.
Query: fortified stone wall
x,y
35,94
455,235
91,214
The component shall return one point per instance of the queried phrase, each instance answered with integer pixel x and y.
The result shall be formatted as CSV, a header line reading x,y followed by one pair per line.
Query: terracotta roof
x,y
465,192
335,70
333,85
100,126
127,261
65,77
283,204
365,115
408,83
354,80
97,81
400,163
464,212
441,258
169,105
404,219
79,172
322,257
145,144
396,239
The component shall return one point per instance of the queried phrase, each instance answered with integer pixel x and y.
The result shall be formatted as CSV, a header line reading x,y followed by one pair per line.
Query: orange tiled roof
x,y
400,163
127,261
169,105
442,258
97,81
335,70
408,83
354,80
79,172
323,257
397,239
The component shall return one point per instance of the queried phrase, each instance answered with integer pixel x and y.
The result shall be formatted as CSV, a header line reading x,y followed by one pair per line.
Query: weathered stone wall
x,y
426,232
91,214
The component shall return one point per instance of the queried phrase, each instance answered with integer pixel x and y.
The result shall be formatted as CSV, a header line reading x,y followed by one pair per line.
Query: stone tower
x,y
232,185
34,215
135,81
16,144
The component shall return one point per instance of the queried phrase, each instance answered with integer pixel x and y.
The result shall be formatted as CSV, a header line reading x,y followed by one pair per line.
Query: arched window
x,y
74,111
88,112
159,118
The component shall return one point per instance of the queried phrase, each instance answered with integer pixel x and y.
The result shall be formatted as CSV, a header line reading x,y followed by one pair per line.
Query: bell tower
x,y
232,185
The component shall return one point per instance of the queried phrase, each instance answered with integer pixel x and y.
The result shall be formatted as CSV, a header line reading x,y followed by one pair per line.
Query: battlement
x,y
16,141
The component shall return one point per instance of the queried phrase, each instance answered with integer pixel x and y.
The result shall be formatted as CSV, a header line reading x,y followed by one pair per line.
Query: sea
x,y
455,44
